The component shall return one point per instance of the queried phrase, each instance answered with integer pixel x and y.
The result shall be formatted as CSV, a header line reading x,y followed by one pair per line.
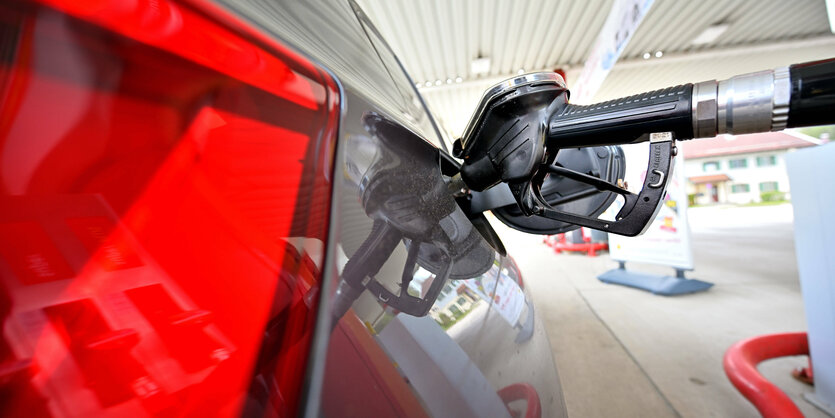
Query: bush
x,y
691,199
772,196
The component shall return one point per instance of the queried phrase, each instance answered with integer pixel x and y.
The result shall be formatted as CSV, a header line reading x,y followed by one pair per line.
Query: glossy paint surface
x,y
489,358
177,200
165,183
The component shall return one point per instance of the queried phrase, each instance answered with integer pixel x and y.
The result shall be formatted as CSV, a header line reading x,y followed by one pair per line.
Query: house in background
x,y
740,169
454,300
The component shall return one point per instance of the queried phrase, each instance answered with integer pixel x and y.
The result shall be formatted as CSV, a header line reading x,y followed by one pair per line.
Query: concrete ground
x,y
623,352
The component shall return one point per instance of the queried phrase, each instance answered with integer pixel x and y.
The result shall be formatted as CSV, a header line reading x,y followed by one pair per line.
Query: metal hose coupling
x,y
747,103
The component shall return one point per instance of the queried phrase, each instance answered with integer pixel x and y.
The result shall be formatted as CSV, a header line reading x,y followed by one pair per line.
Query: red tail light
x,y
165,177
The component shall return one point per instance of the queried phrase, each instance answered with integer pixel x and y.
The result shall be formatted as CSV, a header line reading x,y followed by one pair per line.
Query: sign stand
x,y
666,241
659,285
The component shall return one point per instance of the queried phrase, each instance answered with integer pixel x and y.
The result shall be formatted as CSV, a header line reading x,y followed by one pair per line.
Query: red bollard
x,y
590,248
740,365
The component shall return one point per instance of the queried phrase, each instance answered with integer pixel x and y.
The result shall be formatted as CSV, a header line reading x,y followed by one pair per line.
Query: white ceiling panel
x,y
437,39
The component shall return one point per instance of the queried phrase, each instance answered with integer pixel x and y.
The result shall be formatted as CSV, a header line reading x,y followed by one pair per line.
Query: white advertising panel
x,y
667,241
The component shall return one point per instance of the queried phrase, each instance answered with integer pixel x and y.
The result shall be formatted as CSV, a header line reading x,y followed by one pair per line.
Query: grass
x,y
770,203
764,203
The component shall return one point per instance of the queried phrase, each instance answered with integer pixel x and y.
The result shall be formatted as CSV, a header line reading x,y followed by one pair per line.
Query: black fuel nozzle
x,y
505,139
521,124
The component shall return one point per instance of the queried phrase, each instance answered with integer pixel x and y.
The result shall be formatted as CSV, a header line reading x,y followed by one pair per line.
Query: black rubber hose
x,y
813,94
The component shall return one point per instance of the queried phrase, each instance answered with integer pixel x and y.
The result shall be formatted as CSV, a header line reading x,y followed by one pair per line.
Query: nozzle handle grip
x,y
625,120
812,94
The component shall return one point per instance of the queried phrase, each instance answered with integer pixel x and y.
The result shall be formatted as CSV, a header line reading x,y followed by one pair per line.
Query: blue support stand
x,y
659,285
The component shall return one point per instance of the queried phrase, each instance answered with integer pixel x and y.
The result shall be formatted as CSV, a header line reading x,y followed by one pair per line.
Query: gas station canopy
x,y
453,50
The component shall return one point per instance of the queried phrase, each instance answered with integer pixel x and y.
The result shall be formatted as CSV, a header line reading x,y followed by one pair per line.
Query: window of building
x,y
710,166
766,160
768,186
448,287
462,301
740,188
738,163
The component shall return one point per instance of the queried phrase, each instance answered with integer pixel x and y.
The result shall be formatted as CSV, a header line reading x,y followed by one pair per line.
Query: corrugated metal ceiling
x,y
633,76
671,25
436,40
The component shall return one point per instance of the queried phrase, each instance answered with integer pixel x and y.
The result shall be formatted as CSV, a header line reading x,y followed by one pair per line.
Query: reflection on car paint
x,y
403,192
424,322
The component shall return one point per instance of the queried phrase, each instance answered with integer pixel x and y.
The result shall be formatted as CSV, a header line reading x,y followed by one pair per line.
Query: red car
x,y
245,208
241,209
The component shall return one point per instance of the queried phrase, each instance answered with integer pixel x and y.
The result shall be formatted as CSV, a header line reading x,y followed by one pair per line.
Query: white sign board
x,y
620,25
667,241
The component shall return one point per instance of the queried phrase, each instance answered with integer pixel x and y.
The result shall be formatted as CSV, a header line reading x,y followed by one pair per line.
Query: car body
x,y
186,186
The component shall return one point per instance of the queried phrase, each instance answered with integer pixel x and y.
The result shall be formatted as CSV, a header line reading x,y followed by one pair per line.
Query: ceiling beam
x,y
706,54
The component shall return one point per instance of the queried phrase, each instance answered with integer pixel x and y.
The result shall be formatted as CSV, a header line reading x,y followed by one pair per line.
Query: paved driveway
x,y
625,352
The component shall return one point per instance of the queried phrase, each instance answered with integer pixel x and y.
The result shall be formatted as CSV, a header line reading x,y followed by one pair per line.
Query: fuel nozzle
x,y
505,139
521,124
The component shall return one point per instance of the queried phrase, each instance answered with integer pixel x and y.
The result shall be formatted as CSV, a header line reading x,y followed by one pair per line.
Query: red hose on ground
x,y
740,364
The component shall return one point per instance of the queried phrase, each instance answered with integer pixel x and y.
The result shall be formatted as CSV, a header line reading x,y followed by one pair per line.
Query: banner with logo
x,y
624,18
